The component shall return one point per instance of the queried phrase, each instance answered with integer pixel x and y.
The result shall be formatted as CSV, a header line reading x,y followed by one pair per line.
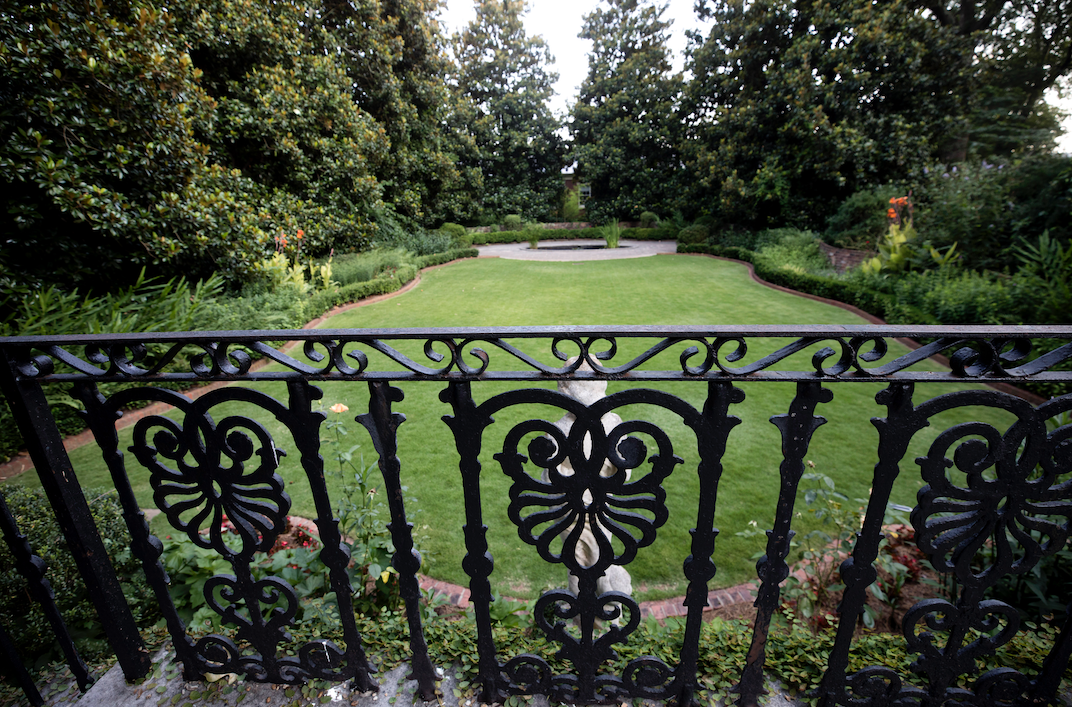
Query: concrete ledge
x,y
165,687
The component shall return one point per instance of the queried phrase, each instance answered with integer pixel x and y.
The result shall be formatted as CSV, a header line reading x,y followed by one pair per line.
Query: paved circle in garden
x,y
578,250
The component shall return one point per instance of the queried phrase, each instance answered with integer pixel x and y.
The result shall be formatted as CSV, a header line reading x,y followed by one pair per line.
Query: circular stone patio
x,y
571,251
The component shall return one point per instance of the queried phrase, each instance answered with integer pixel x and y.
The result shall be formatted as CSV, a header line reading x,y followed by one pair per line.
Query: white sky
x,y
559,21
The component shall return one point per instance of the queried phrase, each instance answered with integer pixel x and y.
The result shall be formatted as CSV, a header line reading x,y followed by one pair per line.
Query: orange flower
x,y
301,234
893,199
891,213
338,408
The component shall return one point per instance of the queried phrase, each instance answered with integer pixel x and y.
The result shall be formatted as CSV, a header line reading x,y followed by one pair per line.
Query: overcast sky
x,y
559,21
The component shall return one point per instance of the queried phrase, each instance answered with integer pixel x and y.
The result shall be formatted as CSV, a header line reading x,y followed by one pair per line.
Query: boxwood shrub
x,y
23,617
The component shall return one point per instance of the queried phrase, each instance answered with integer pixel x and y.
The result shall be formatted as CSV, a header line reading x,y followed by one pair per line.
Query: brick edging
x,y
659,608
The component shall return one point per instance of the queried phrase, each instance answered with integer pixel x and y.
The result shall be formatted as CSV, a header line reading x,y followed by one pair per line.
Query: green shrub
x,y
988,208
794,250
695,234
950,296
512,223
393,231
458,233
853,291
440,258
387,281
860,222
546,234
256,308
736,238
648,219
147,305
362,267
663,233
24,619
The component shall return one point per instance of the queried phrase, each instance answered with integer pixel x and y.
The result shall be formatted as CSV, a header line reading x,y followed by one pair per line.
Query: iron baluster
x,y
101,415
32,568
45,445
858,571
797,428
712,430
1055,664
17,669
382,426
468,424
304,425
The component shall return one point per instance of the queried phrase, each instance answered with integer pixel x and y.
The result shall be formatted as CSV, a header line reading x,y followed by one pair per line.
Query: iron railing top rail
x,y
812,353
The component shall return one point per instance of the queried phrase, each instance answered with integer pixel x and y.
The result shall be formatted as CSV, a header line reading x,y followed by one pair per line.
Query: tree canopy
x,y
503,73
796,104
625,122
187,140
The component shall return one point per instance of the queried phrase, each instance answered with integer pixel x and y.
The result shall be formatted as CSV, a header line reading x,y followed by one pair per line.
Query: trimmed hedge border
x,y
71,423
871,301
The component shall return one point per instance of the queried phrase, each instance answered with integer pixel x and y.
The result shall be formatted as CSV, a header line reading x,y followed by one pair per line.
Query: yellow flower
x,y
338,408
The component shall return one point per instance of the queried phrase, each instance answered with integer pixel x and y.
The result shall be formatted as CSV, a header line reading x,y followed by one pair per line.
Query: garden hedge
x,y
70,422
870,300
666,233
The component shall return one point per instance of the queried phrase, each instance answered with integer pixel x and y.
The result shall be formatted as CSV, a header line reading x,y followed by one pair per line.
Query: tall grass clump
x,y
362,267
532,234
612,233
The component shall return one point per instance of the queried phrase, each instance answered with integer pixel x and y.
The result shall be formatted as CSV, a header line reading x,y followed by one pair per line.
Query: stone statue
x,y
616,578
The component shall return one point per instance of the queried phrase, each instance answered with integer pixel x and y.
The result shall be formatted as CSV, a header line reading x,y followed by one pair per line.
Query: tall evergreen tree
x,y
396,58
503,73
795,104
625,123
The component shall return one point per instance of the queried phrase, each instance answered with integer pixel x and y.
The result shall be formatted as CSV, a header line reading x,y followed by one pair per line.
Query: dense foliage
x,y
795,104
624,124
23,617
189,140
100,169
502,74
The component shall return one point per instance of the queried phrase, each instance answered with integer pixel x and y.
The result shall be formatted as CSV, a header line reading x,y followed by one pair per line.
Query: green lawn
x,y
670,290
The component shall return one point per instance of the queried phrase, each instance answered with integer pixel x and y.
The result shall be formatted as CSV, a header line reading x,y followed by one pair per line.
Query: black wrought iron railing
x,y
593,478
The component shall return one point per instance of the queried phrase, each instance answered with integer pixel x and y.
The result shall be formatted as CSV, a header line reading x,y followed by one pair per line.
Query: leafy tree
x,y
624,122
502,72
395,57
796,104
1022,49
285,121
100,171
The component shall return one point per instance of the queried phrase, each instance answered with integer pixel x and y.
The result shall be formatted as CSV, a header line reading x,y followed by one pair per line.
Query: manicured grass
x,y
670,290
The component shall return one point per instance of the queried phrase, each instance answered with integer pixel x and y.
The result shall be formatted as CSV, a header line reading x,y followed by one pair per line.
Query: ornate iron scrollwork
x,y
710,352
1009,493
596,499
203,471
